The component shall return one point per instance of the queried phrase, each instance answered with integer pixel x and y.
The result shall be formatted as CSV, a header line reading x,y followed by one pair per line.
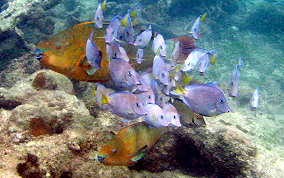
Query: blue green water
x,y
251,29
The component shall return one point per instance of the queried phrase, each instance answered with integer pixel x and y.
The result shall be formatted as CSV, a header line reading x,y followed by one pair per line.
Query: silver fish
x,y
171,114
155,116
234,82
254,102
124,76
144,38
93,55
112,30
192,59
160,70
99,16
159,44
139,55
204,99
126,105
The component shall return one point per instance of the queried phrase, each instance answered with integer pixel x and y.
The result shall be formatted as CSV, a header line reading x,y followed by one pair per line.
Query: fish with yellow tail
x,y
204,99
130,145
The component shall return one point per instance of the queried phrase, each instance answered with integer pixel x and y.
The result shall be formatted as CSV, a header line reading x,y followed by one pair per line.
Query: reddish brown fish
x,y
65,52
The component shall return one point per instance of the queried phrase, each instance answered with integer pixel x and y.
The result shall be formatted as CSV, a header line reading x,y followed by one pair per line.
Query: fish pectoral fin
x,y
138,154
91,70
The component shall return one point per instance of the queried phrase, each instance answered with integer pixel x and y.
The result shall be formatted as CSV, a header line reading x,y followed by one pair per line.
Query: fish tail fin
x,y
187,79
124,21
213,59
179,90
104,5
203,17
105,99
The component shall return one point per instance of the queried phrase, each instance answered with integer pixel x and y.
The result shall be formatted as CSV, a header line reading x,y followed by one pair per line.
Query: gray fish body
x,y
171,114
93,55
147,97
254,100
112,30
195,30
144,38
99,16
234,82
126,105
206,100
160,70
124,76
155,116
204,63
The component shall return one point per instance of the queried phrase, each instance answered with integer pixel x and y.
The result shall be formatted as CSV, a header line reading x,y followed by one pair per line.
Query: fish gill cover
x,y
246,38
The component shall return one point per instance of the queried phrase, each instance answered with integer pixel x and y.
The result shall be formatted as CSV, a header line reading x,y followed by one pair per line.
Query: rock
x,y
41,80
201,152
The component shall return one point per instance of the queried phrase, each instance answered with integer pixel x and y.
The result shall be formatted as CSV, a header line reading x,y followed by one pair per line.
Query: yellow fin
x,y
94,92
124,21
104,5
179,89
203,17
105,99
213,59
134,22
187,79
133,13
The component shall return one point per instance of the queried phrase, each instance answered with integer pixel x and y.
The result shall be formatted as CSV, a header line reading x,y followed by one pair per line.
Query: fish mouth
x,y
38,53
100,159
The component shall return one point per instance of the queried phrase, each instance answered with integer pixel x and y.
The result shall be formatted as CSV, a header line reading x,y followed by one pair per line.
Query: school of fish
x,y
148,74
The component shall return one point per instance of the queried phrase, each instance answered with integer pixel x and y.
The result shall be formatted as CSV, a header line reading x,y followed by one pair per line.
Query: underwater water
x,y
51,126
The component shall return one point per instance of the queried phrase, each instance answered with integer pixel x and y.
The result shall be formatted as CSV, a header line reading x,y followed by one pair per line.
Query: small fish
x,y
99,17
241,63
234,82
175,54
204,63
128,31
204,99
139,55
98,94
147,79
124,104
124,76
160,70
130,145
254,102
171,114
147,97
93,55
161,99
144,38
195,30
155,116
112,29
192,60
159,44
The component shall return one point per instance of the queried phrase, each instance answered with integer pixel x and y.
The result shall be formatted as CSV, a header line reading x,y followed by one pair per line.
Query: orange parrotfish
x,y
130,145
65,52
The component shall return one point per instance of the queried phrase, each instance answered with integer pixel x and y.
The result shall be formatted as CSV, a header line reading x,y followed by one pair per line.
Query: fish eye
x,y
129,73
163,75
174,116
140,40
221,101
149,96
162,117
195,29
137,104
114,151
101,159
